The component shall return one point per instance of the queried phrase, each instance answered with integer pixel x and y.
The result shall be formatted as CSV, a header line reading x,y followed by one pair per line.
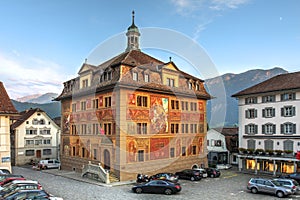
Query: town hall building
x,y
133,114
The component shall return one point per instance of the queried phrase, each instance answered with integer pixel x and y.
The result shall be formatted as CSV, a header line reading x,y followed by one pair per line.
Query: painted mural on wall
x,y
159,114
131,151
159,148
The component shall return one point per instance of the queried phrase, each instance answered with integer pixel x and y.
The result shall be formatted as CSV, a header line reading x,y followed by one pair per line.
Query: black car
x,y
189,174
295,176
158,187
164,176
213,172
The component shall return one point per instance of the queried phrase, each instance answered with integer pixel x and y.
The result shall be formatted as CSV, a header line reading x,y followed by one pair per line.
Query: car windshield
x,y
276,183
9,188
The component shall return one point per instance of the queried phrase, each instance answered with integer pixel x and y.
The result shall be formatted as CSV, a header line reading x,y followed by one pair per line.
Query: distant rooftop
x,y
282,82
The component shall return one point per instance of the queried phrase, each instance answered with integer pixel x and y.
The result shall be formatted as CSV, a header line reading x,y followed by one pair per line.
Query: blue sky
x,y
44,42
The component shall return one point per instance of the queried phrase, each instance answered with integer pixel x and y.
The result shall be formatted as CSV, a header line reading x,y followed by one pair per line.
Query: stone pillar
x,y
255,166
274,168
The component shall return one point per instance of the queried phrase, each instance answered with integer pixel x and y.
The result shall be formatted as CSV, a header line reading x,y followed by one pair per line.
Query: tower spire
x,y
133,35
133,18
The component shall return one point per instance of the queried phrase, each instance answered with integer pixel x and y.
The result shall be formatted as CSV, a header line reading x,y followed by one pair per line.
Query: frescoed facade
x,y
133,114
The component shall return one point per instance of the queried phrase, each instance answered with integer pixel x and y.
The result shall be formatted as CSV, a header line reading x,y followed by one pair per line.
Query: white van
x,y
49,164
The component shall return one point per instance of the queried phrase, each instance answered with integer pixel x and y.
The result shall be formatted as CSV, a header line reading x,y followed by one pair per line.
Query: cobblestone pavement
x,y
69,185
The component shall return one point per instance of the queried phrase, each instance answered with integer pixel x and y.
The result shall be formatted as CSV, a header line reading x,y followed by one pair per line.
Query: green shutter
x,y
294,111
263,129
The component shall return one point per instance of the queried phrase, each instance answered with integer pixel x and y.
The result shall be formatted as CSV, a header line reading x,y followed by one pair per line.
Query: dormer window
x,y
146,78
170,82
190,85
109,75
85,83
135,76
197,86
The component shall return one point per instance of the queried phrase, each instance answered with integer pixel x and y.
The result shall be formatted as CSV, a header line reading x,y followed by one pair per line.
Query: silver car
x,y
291,183
202,172
269,186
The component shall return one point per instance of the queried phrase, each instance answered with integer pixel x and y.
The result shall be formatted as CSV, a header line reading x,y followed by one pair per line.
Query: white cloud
x,y
24,75
185,7
204,11
225,4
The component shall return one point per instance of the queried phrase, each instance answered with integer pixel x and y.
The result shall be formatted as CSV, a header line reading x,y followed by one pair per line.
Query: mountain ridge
x,y
222,110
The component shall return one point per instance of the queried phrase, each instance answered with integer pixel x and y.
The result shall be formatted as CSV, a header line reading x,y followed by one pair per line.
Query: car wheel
x,y
192,178
168,191
139,190
212,176
254,190
280,194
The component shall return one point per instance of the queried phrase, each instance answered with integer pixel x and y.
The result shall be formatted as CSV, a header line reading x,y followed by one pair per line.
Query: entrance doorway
x,y
106,159
38,154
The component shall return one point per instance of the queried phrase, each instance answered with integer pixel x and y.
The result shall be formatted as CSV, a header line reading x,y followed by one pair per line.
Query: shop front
x,y
268,165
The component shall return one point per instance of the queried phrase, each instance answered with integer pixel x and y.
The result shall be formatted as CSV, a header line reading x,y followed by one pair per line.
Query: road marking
x,y
230,176
233,194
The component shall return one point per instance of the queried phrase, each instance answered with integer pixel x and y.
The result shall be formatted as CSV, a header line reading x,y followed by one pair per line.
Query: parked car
x,y
295,176
213,172
49,164
10,179
157,186
4,176
202,171
223,166
165,176
270,186
190,174
4,171
20,185
29,194
291,183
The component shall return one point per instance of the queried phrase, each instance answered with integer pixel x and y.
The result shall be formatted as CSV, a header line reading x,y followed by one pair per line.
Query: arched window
x,y
288,145
251,144
269,145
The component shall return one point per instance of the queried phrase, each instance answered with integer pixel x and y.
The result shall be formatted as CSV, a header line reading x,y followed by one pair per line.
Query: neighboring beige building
x,y
34,136
7,110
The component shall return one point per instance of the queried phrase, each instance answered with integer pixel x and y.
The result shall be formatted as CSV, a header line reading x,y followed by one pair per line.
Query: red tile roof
x,y
281,82
24,115
6,106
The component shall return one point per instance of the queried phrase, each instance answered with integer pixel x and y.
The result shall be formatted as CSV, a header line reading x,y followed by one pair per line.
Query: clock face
x,y
158,118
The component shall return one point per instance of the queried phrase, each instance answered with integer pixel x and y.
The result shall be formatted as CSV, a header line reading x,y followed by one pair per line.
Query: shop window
x,y
47,152
29,152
